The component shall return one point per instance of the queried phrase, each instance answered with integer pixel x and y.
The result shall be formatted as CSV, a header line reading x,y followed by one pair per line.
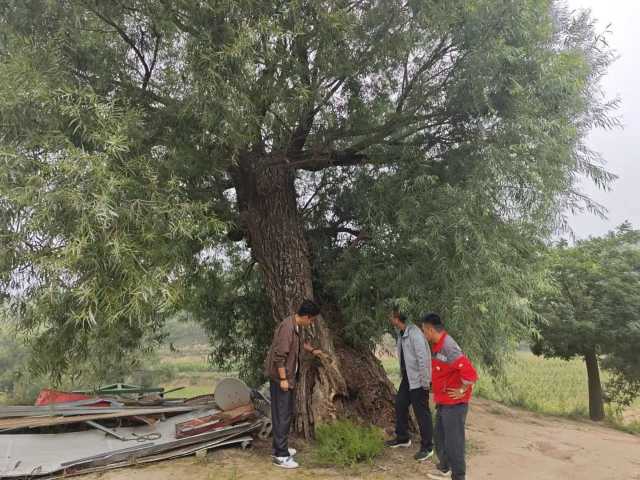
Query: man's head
x,y
307,312
432,327
398,319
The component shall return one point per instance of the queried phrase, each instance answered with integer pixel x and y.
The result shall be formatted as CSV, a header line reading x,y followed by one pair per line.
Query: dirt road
x,y
513,444
505,444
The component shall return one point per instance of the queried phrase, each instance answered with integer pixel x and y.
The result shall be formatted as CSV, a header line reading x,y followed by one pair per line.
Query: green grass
x,y
346,444
187,363
191,391
544,385
194,373
392,368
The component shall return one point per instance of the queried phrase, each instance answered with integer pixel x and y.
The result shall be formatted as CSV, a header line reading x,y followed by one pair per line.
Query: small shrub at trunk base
x,y
344,443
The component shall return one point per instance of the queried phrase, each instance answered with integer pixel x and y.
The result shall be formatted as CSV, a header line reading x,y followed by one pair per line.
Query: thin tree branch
x,y
333,88
148,70
437,53
156,48
314,162
122,34
315,193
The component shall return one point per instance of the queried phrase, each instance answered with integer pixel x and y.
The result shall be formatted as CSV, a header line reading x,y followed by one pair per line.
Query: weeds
x,y
346,444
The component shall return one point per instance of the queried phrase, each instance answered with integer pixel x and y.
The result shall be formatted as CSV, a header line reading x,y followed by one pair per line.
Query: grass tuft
x,y
345,443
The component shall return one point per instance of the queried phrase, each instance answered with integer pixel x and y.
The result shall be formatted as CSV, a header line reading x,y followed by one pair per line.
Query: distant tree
x,y
230,158
592,311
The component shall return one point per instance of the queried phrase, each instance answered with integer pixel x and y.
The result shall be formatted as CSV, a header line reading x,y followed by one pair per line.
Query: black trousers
x,y
418,399
450,438
281,414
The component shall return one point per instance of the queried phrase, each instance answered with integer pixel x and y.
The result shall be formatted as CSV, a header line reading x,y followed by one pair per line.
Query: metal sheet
x,y
22,453
182,452
57,408
160,447
232,393
42,454
63,418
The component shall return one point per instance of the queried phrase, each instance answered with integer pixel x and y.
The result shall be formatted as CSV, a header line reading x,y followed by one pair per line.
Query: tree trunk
x,y
345,382
596,404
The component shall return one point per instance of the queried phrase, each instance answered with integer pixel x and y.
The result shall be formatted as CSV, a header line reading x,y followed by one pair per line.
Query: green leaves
x,y
96,235
594,302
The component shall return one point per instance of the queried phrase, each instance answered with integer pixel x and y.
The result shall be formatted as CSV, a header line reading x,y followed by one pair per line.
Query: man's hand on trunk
x,y
316,352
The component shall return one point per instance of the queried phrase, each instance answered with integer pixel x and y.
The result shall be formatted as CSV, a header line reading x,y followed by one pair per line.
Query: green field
x,y
545,385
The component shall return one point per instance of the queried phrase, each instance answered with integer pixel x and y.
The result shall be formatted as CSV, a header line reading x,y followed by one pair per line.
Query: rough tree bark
x,y
596,403
348,381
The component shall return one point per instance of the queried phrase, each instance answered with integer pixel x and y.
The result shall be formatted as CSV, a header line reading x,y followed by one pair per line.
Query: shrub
x,y
345,443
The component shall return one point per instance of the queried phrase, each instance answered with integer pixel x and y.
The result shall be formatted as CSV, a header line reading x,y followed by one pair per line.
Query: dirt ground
x,y
505,444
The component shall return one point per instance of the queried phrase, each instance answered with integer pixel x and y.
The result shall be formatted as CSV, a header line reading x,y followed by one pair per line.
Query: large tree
x,y
591,310
355,151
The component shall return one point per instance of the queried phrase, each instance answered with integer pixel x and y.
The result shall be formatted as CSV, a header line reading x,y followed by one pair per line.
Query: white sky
x,y
618,147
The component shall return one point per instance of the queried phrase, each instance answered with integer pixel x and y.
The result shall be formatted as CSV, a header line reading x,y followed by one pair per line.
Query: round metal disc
x,y
231,393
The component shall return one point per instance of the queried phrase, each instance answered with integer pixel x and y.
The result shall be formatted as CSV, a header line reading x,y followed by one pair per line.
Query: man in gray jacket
x,y
415,366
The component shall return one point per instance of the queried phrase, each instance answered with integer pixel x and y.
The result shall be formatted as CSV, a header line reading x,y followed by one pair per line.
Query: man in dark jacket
x,y
281,366
453,376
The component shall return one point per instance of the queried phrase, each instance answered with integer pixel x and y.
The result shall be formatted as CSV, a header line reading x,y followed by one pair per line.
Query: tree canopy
x,y
592,311
424,150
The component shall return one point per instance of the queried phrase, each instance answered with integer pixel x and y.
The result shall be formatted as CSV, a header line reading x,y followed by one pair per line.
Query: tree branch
x,y
407,85
334,230
314,195
333,88
305,123
148,69
156,48
314,162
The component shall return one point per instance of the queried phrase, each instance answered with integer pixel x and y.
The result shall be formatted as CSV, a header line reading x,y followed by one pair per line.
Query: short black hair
x,y
308,308
395,311
434,320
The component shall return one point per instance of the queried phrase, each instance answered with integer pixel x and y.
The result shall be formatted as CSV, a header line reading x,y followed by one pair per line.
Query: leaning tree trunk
x,y
596,404
345,382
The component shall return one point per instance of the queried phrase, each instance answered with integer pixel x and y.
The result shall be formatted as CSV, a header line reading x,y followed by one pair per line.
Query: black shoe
x,y
395,443
423,455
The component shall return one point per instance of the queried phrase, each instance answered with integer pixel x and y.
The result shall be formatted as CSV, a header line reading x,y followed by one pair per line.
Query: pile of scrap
x,y
74,433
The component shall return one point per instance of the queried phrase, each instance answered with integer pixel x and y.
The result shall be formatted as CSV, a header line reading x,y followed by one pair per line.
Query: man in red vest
x,y
452,378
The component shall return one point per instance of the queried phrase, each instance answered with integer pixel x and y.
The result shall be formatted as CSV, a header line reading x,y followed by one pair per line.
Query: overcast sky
x,y
619,147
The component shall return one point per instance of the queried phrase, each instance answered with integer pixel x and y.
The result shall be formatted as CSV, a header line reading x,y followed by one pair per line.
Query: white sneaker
x,y
439,475
292,452
285,462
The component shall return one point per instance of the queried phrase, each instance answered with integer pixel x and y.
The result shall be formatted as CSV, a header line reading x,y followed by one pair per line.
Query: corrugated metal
x,y
46,454
182,452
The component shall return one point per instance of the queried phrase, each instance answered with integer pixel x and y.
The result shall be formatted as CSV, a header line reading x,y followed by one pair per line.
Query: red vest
x,y
450,368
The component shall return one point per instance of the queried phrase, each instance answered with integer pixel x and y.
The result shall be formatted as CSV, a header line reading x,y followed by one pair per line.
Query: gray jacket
x,y
417,357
